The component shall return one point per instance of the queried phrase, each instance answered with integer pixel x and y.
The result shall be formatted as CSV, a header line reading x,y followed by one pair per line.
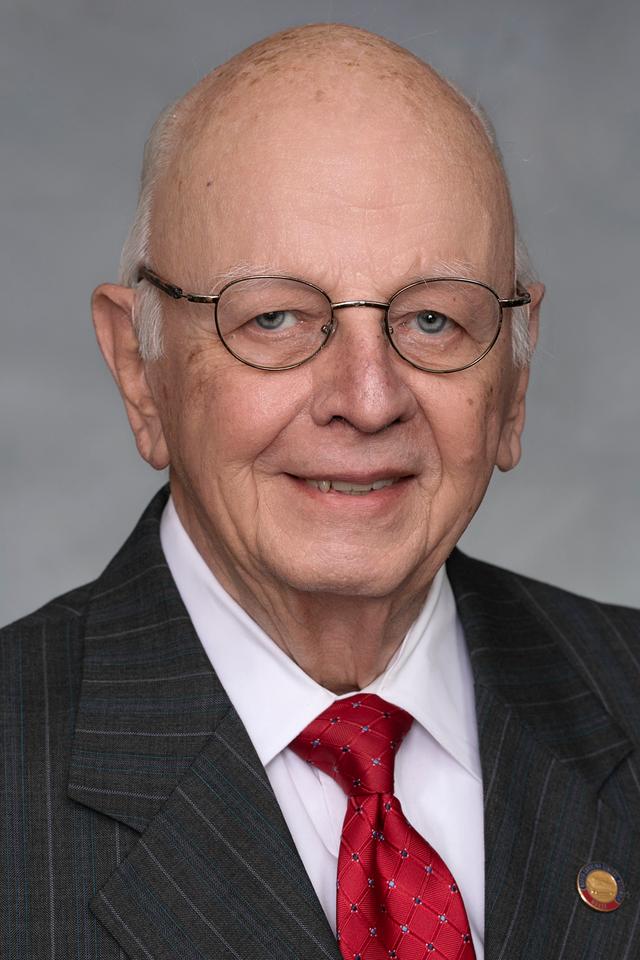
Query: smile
x,y
353,489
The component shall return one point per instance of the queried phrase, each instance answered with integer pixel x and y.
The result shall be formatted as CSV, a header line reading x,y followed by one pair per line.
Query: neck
x,y
343,643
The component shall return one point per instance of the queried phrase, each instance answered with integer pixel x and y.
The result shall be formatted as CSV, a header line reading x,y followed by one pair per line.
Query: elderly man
x,y
277,726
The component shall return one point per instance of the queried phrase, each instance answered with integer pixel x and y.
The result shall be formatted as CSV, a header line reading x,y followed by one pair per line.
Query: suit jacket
x,y
138,822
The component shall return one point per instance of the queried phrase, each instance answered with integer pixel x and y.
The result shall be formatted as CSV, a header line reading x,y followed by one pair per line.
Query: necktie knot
x,y
355,741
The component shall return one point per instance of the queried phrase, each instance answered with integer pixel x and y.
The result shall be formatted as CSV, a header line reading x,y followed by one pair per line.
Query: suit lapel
x,y
216,873
551,753
159,747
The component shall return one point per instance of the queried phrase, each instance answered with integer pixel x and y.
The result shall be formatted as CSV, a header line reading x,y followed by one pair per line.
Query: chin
x,y
341,577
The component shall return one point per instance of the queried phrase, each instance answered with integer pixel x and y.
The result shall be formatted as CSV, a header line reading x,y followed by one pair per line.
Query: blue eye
x,y
275,320
430,321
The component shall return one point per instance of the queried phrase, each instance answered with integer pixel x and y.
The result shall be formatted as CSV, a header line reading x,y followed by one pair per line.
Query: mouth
x,y
352,489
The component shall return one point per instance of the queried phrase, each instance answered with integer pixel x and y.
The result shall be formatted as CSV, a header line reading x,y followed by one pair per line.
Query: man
x,y
323,331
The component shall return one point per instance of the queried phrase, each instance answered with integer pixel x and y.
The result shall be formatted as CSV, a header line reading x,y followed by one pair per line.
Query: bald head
x,y
318,63
322,109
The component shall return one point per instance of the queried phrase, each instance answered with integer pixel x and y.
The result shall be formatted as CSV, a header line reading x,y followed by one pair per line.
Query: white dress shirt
x,y
437,773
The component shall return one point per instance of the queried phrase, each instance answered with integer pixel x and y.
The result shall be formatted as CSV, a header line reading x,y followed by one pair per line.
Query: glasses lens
x,y
444,324
273,322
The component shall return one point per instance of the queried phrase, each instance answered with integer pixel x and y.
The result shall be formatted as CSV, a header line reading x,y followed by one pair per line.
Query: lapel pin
x,y
601,887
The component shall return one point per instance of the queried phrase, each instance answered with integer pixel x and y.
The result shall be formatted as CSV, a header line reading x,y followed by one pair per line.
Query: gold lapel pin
x,y
601,887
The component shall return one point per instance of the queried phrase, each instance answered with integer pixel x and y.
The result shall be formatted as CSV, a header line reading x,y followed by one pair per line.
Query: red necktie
x,y
395,896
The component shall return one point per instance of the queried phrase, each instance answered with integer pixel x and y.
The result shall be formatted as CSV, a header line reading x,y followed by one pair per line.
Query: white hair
x,y
524,271
148,314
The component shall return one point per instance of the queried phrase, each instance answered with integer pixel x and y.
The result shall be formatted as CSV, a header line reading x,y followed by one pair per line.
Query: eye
x,y
275,320
430,321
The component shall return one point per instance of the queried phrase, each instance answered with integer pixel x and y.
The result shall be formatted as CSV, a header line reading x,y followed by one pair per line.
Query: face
x,y
360,208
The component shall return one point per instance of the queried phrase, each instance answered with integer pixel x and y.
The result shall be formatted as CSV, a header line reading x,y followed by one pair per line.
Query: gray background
x,y
80,84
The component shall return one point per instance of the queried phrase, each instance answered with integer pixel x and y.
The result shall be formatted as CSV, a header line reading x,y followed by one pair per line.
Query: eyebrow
x,y
437,268
240,270
447,268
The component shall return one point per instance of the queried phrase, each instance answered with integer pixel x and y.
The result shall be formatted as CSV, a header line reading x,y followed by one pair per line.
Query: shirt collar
x,y
429,676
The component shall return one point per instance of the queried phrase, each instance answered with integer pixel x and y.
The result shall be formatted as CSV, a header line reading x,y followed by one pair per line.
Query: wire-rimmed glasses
x,y
439,325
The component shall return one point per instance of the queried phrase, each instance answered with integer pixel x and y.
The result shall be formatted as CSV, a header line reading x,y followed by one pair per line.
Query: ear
x,y
112,309
510,446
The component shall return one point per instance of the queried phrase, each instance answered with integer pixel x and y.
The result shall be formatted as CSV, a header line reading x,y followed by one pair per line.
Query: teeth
x,y
343,487
355,489
379,484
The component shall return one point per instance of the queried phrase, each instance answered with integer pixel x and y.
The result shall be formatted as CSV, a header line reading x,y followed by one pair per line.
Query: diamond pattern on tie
x,y
395,896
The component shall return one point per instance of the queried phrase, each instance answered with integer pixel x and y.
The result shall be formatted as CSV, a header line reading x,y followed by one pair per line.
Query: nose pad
x,y
328,329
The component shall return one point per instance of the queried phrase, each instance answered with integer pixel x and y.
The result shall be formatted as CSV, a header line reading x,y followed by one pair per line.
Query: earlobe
x,y
112,309
510,445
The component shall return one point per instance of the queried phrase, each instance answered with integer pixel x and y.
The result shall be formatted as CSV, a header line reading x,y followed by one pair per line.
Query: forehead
x,y
335,174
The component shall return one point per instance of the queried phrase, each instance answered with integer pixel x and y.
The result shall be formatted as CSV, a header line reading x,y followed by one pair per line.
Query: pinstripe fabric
x,y
558,706
137,821
54,853
120,746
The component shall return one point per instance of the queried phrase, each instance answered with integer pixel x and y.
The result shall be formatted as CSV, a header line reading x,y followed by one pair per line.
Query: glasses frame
x,y
177,293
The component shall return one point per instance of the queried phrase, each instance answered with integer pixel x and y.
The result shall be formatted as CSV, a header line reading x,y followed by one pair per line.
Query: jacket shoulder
x,y
62,612
602,640
41,663
544,599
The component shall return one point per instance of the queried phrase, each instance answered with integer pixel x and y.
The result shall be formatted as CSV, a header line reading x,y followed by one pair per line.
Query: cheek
x,y
226,413
467,432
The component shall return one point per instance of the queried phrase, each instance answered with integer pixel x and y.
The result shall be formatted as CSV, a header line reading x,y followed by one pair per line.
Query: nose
x,y
358,377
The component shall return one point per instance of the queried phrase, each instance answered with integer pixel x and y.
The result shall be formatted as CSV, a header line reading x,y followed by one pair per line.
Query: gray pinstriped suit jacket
x,y
137,821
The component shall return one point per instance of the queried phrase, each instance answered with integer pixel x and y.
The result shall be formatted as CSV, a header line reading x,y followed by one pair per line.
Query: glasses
x,y
439,325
